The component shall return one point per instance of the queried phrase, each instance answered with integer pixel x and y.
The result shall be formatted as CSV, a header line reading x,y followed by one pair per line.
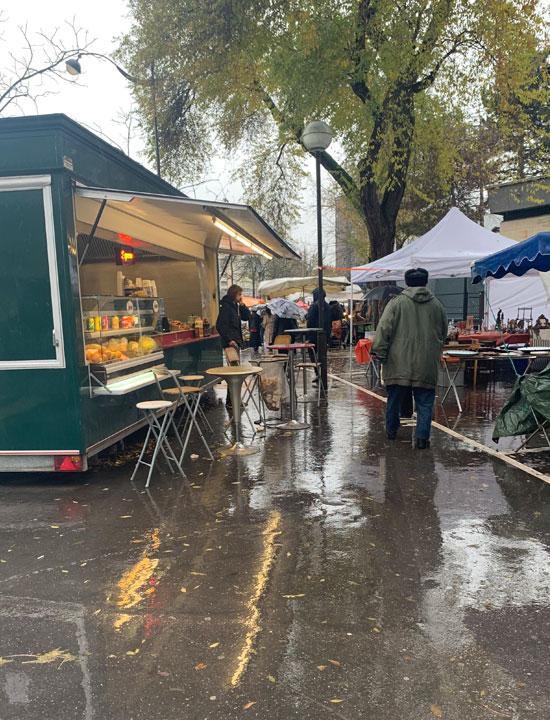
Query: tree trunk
x,y
381,232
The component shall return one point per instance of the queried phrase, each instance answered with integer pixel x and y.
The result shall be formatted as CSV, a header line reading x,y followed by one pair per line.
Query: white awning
x,y
281,287
175,226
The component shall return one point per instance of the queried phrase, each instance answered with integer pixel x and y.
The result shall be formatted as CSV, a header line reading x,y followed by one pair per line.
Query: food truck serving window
x,y
30,321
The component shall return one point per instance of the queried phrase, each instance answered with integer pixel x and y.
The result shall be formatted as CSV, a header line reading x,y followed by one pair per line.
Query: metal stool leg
x,y
192,420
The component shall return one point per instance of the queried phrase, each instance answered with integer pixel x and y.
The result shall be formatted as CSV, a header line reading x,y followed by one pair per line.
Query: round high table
x,y
305,397
234,375
292,424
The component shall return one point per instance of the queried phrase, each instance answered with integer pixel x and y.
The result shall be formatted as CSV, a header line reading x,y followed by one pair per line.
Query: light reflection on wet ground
x,y
332,566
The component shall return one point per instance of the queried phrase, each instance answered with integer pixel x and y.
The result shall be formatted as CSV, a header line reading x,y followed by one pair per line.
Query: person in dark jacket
x,y
408,343
282,324
232,312
312,321
335,311
255,326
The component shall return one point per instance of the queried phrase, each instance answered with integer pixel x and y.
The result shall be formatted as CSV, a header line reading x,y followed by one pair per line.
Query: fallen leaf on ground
x,y
437,711
162,673
132,652
482,693
49,657
336,701
248,705
321,667
521,684
496,712
334,662
214,645
54,526
200,666
271,678
183,589
122,517
197,573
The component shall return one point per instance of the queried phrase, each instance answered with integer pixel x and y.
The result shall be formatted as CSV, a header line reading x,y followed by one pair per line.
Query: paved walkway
x,y
333,575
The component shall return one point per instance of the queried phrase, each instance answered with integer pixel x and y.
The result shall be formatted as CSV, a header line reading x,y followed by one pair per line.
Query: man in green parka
x,y
408,343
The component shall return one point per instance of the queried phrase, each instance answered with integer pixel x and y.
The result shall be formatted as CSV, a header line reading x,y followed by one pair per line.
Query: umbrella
x,y
383,292
251,301
286,309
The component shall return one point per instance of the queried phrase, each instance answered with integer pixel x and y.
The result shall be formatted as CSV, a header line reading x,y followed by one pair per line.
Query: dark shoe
x,y
390,436
421,444
315,381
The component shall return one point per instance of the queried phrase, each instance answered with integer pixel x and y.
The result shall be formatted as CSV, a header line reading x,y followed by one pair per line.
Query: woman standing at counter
x,y
232,312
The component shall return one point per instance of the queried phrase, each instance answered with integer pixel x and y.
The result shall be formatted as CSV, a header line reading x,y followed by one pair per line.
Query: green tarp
x,y
531,393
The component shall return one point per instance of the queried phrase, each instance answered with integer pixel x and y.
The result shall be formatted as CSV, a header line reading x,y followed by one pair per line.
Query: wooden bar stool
x,y
158,429
195,380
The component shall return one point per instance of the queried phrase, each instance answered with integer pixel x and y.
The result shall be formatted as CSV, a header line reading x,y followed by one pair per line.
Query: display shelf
x,y
129,384
91,334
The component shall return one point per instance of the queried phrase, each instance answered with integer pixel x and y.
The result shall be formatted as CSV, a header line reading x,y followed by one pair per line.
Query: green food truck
x,y
107,272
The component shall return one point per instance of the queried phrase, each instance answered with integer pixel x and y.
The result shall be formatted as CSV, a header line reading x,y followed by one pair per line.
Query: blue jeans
x,y
424,400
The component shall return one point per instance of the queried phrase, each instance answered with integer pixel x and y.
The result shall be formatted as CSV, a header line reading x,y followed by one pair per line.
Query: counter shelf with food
x,y
118,341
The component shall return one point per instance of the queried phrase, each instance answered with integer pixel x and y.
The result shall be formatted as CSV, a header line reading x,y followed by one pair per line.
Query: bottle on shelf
x,y
206,328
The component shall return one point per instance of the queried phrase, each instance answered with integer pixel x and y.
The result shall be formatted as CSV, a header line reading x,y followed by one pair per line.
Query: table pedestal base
x,y
239,449
294,425
306,398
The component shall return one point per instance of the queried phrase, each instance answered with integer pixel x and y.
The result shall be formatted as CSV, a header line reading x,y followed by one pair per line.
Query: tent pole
x,y
350,330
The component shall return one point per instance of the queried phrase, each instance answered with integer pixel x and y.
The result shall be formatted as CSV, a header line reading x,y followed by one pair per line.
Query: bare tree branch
x,y
42,55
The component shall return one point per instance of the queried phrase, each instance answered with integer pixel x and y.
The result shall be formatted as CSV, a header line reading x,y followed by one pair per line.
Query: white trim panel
x,y
25,182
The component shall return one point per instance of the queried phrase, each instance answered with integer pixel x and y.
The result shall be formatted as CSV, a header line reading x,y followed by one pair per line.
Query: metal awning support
x,y
92,231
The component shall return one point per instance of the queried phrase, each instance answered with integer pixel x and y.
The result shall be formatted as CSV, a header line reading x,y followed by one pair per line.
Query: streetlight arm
x,y
123,72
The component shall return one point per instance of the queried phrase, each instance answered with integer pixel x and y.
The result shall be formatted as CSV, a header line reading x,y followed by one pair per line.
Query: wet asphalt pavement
x,y
333,575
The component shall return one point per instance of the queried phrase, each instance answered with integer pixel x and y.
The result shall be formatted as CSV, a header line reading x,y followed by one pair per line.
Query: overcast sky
x,y
102,95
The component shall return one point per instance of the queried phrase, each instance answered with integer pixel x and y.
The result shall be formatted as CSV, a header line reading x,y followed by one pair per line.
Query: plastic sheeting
x,y
531,394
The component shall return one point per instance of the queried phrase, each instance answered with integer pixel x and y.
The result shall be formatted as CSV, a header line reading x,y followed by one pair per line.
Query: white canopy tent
x,y
446,251
517,297
282,287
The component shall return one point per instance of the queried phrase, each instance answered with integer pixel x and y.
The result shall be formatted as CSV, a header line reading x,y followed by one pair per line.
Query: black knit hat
x,y
416,277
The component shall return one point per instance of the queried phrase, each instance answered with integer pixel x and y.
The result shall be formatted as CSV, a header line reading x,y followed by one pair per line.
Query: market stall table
x,y
292,424
461,357
496,337
235,375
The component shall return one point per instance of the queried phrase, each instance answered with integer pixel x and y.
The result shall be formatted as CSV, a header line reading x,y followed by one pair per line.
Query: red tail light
x,y
67,463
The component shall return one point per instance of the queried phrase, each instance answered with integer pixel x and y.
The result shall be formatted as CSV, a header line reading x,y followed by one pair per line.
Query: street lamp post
x,y
316,138
73,67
